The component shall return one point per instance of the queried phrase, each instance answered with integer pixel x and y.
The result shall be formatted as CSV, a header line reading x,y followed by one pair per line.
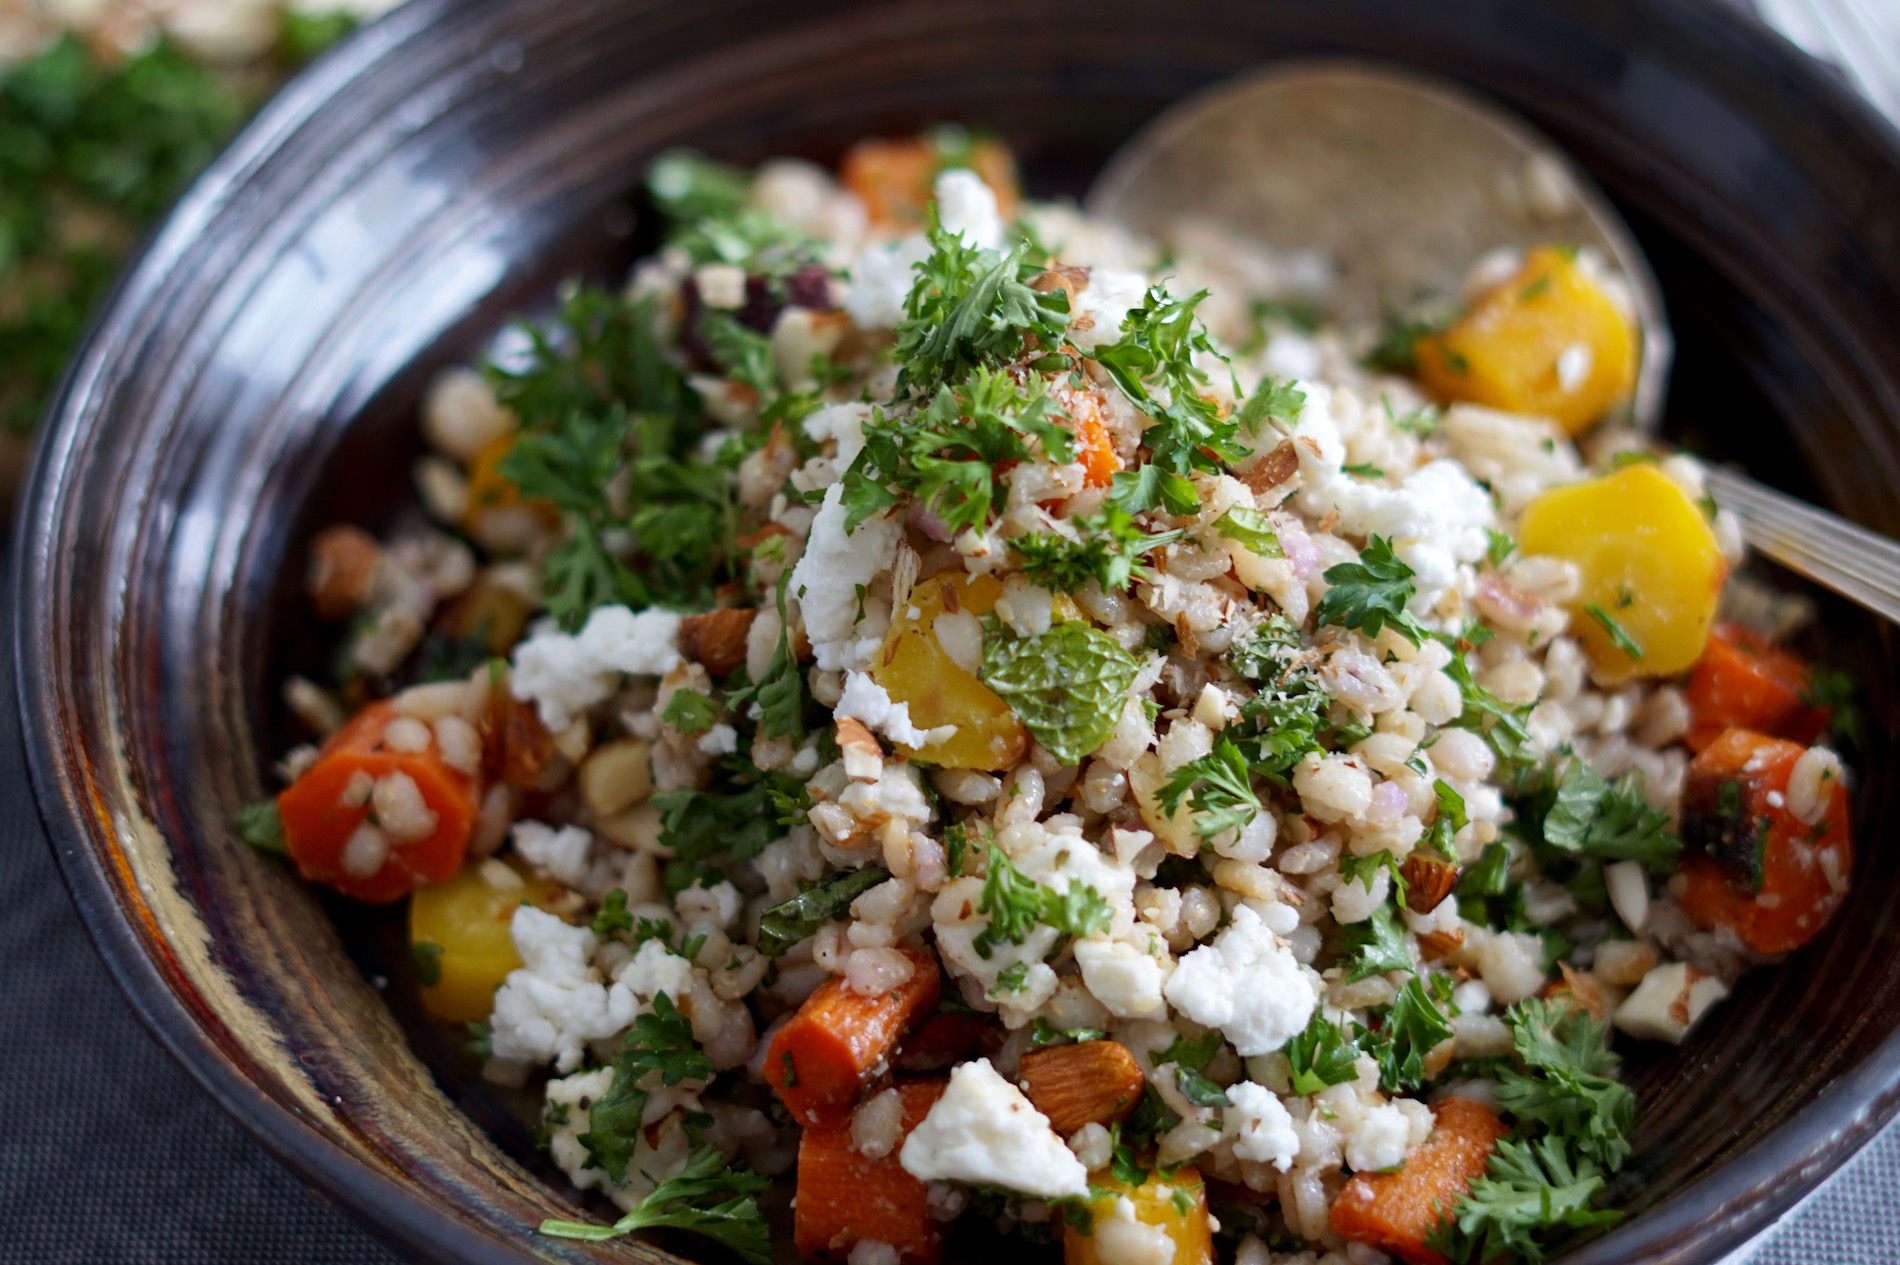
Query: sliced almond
x,y
716,639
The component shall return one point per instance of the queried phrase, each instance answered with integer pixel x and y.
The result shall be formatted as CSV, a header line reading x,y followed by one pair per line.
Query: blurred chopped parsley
x,y
90,154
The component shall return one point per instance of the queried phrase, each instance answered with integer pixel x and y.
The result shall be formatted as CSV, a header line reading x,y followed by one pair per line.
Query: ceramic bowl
x,y
256,376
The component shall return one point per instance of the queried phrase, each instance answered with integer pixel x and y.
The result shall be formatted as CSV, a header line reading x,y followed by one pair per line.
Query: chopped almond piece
x,y
716,639
1092,1082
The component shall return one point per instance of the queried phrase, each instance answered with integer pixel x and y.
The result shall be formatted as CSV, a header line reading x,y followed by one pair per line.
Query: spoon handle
x,y
1861,565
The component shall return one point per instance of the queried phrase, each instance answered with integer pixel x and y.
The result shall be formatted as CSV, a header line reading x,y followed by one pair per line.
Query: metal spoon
x,y
1404,181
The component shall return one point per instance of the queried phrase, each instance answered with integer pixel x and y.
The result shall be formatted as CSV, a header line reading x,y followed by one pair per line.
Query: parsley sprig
x,y
661,1043
1371,593
1107,550
1153,365
1222,797
1539,1189
1016,904
972,308
950,456
712,1196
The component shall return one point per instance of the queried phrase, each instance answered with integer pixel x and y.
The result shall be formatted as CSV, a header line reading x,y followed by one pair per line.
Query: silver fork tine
x,y
1861,565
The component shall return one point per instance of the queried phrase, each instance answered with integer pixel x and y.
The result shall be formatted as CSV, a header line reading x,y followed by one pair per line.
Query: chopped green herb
x,y
1374,946
613,916
1044,1034
1252,530
1498,547
1277,402
712,1196
1106,550
428,960
1364,470
1618,636
1015,904
1223,796
1321,1056
790,921
972,309
1612,821
659,1042
262,827
690,712
1408,1029
1371,593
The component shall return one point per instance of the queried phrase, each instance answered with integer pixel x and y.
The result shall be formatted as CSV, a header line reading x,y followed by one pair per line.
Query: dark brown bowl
x,y
257,371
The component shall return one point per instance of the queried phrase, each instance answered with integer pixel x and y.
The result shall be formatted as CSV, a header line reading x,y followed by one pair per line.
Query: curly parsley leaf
x,y
1223,795
1068,685
1529,1192
970,309
951,455
1375,946
735,820
661,1043
1407,1031
1276,402
1371,593
1613,821
1107,549
790,921
690,712
1322,1055
1016,904
1153,365
712,1196
1569,1084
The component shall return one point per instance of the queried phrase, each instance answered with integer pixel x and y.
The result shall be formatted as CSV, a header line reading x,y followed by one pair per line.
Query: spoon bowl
x,y
1402,179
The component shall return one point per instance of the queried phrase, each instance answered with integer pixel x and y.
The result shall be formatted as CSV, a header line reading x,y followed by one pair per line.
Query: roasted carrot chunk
x,y
1395,1212
845,1197
1175,1205
489,488
326,813
1756,867
895,179
1747,682
1093,1082
1094,446
823,1057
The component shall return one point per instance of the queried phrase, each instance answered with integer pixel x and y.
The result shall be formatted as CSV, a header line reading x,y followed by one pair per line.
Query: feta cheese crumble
x,y
985,1132
1247,984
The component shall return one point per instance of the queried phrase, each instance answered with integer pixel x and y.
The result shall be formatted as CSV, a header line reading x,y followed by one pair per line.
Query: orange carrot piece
x,y
1395,1212
823,1057
844,1197
1747,682
895,179
1756,868
1094,446
319,823
1091,1082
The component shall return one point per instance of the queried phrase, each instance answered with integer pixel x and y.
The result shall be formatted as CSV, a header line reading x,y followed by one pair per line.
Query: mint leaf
x,y
788,922
1068,685
1252,530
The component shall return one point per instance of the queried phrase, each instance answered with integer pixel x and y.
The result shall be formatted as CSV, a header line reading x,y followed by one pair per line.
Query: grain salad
x,y
940,708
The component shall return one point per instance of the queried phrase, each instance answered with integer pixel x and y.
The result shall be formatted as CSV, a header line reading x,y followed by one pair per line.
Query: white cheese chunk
x,y
985,1132
1247,984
